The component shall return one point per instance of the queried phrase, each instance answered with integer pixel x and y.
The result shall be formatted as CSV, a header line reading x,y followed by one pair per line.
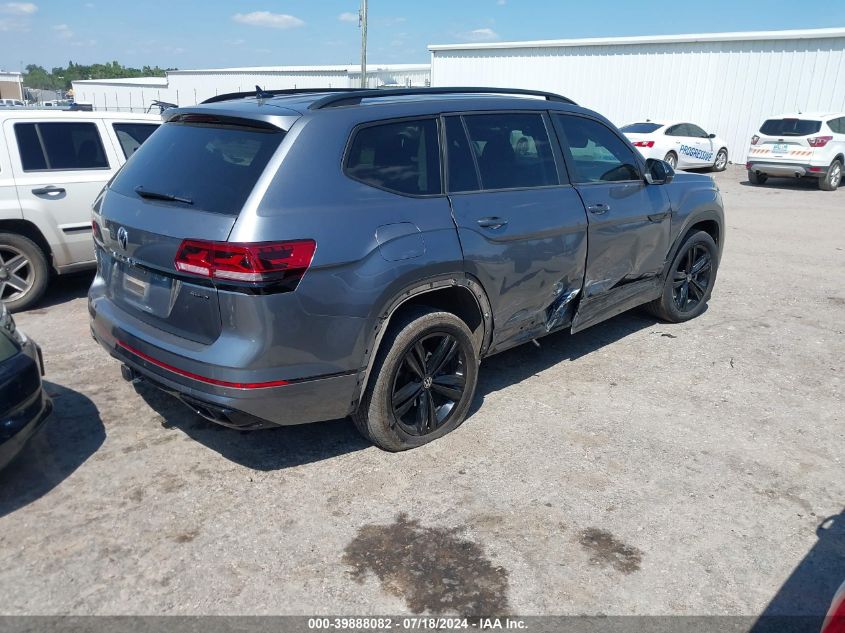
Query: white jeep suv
x,y
798,145
52,166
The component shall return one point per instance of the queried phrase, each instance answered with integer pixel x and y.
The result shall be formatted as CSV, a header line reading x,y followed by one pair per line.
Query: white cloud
x,y
480,35
348,17
18,8
63,31
265,18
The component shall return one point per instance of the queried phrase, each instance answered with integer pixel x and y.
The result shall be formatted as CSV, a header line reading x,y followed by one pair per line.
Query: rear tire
x,y
23,272
833,178
689,281
422,382
672,159
757,179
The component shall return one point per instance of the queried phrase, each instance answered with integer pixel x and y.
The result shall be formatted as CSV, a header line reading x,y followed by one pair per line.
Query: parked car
x,y
11,103
682,145
835,620
53,166
310,256
798,145
24,406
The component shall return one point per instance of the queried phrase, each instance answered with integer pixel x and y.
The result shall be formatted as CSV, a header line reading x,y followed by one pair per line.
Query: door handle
x,y
599,208
492,223
46,191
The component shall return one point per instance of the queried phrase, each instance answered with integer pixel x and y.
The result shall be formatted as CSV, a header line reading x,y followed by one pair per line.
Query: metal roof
x,y
135,81
371,68
796,34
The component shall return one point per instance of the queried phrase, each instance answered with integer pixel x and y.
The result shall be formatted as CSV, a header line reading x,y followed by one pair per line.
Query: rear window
x,y
790,127
641,128
213,164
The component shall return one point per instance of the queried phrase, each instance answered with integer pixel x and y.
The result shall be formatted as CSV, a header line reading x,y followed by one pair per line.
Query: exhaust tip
x,y
128,373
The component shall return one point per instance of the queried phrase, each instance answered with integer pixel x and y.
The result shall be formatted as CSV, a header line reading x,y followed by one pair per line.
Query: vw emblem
x,y
122,238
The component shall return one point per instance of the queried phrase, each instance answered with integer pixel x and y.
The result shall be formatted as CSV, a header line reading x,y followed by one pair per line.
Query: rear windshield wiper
x,y
155,195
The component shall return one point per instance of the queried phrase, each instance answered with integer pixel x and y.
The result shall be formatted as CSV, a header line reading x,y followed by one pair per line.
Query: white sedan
x,y
682,145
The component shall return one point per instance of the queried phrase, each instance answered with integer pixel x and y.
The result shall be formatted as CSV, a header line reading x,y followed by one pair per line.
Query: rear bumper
x,y
297,402
787,170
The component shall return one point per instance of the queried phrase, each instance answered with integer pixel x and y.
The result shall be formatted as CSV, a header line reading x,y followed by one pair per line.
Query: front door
x,y
629,221
522,226
59,168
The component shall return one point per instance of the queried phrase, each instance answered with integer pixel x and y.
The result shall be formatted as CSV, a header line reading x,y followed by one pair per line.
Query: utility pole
x,y
362,21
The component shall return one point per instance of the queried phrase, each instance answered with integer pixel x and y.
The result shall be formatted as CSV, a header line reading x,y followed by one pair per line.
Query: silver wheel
x,y
17,274
835,175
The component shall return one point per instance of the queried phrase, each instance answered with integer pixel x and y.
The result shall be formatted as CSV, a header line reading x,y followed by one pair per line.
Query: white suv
x,y
797,145
52,166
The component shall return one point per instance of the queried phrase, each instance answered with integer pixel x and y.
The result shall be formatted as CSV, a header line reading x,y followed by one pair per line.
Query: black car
x,y
24,406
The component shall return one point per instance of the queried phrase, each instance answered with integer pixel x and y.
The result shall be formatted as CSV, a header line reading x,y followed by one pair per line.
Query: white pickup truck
x,y
52,166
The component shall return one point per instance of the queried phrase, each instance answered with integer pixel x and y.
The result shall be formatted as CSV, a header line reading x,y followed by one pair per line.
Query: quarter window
x,y
131,135
403,157
512,150
60,146
598,154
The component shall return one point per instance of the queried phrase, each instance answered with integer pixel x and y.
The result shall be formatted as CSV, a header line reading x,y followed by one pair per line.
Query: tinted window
x,y
837,125
512,150
131,135
676,130
213,164
403,157
598,154
462,173
790,127
60,146
696,131
641,128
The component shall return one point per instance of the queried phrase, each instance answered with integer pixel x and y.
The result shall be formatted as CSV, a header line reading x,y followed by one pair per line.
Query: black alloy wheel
x,y
691,280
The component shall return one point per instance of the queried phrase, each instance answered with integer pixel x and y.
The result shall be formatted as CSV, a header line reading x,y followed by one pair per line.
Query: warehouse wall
x,y
727,87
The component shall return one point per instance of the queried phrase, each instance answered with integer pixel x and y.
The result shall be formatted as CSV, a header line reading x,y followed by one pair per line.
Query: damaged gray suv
x,y
276,258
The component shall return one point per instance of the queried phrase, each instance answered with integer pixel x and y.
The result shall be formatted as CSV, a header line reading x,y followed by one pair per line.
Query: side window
x,y
462,175
60,146
403,157
674,130
696,131
131,135
598,154
512,150
838,125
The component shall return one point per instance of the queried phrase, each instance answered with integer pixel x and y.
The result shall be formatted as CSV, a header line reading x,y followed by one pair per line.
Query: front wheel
x,y
422,382
833,178
721,163
690,280
23,272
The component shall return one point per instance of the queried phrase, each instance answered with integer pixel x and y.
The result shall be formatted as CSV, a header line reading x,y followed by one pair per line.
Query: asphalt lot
x,y
634,468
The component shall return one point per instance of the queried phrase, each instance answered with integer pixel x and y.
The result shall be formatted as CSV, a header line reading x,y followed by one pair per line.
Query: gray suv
x,y
275,259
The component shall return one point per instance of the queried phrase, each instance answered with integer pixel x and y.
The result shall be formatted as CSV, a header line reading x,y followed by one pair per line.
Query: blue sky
x,y
215,33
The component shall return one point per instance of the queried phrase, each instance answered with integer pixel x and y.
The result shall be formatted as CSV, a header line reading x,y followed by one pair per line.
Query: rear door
x,y
188,181
629,221
60,166
521,224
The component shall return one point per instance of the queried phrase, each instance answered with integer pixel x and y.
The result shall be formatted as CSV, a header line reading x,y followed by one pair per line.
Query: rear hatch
x,y
188,181
791,140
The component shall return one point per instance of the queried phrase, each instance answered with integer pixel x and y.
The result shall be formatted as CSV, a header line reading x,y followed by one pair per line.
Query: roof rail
x,y
355,96
230,96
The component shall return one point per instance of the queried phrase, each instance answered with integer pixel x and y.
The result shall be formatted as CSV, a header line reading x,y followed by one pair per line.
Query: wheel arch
x,y
31,231
708,221
460,294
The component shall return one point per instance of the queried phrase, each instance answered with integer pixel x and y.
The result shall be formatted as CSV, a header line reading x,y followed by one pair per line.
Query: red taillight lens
x,y
262,262
643,143
819,141
755,139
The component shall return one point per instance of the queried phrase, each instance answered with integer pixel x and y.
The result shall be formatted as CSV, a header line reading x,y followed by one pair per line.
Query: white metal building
x,y
11,86
189,87
727,83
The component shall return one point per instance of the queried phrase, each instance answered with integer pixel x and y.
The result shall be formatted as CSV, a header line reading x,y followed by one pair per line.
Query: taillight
x,y
643,143
755,139
95,228
252,263
819,141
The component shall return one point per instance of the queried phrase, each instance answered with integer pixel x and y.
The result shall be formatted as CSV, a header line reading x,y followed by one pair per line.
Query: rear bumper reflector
x,y
193,376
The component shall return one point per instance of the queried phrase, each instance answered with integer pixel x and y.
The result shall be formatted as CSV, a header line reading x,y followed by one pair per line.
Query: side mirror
x,y
711,136
658,172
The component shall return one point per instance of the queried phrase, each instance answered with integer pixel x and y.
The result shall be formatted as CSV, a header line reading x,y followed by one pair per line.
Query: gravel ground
x,y
634,468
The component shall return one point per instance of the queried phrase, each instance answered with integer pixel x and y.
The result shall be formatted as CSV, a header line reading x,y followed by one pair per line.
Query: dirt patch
x,y
186,537
607,550
433,569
